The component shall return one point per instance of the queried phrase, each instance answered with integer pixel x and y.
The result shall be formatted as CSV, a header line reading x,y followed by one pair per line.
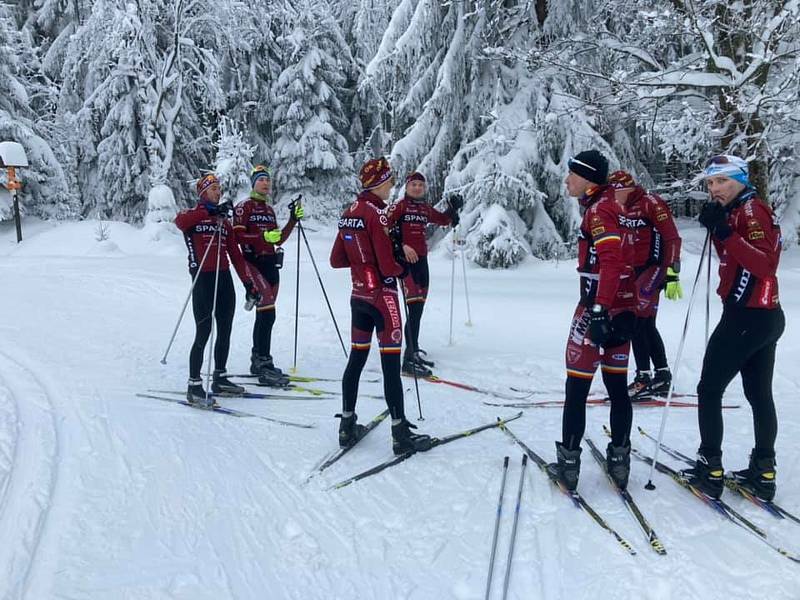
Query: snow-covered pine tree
x,y
46,191
233,162
311,154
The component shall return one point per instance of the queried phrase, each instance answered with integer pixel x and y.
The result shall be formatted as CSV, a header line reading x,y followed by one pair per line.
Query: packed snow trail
x,y
105,495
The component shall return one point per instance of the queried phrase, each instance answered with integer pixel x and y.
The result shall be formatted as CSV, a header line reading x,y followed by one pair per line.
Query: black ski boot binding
x,y
706,475
567,469
639,386
220,384
618,464
403,440
758,478
412,367
350,431
659,385
196,395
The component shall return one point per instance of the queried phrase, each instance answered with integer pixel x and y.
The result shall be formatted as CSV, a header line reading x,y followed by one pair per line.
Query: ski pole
x,y
296,304
706,247
708,292
452,285
514,526
188,297
496,528
322,286
410,342
466,290
213,314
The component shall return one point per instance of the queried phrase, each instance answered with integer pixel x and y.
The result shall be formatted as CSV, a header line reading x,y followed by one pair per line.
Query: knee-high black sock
x,y
262,332
573,421
641,345
621,417
352,373
393,385
412,326
657,352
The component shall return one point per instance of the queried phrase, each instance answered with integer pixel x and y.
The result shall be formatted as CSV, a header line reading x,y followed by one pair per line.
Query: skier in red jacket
x,y
363,245
260,238
649,226
747,238
408,220
208,233
602,324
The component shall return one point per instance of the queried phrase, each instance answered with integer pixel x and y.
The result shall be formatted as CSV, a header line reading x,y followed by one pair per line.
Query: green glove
x,y
296,209
273,236
674,289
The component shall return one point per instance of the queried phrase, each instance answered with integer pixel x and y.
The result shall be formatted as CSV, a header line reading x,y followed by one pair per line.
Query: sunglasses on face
x,y
718,160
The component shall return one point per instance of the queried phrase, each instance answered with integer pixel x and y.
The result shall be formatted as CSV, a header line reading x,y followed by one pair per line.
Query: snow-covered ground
x,y
107,496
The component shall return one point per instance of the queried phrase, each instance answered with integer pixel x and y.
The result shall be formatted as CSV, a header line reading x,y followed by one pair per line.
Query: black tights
x,y
647,345
743,342
573,423
202,302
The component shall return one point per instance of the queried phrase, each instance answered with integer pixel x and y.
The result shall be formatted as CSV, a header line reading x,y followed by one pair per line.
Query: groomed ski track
x,y
103,495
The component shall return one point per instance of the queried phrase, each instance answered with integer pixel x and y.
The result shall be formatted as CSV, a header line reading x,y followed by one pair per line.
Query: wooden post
x,y
13,186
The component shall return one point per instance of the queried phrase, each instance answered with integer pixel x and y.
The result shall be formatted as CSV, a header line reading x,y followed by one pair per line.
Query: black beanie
x,y
591,165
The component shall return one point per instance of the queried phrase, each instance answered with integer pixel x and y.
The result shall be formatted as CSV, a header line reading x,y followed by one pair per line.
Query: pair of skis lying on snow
x,y
653,540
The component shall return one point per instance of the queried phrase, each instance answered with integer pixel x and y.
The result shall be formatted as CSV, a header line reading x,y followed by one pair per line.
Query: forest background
x,y
122,104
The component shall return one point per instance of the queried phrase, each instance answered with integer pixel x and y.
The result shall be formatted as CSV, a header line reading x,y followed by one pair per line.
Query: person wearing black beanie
x,y
601,325
590,165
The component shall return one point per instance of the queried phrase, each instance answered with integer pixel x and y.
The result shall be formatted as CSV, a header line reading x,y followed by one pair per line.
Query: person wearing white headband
x,y
747,239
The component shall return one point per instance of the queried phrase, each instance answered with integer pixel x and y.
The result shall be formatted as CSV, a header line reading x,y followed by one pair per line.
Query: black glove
x,y
714,217
456,202
599,325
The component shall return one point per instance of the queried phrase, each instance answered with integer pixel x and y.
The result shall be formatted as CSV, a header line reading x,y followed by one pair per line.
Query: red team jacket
x,y
198,229
603,259
363,244
251,219
748,258
651,230
414,216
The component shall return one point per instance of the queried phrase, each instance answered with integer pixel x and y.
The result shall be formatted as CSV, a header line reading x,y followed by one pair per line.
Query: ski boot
x,y
257,363
196,395
220,384
618,464
350,431
661,382
639,386
758,478
270,365
273,379
567,469
403,440
706,475
418,358
412,367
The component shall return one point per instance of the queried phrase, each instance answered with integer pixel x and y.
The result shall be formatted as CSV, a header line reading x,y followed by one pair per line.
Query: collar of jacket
x,y
254,195
367,196
592,195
